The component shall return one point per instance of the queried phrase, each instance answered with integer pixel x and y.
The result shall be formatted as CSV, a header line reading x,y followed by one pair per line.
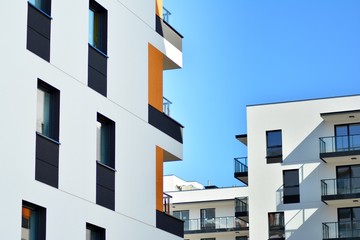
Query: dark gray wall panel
x,y
169,224
97,61
105,197
105,186
97,81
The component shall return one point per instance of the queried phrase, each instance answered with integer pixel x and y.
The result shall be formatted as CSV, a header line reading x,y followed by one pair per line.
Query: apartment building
x,y
85,140
209,213
303,169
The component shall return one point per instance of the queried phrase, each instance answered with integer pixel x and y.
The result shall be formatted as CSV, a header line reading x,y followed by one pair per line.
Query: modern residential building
x,y
209,212
303,169
85,139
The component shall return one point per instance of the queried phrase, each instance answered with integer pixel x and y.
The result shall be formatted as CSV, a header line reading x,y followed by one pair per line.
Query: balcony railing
x,y
166,15
340,230
241,165
339,144
167,202
166,106
241,204
214,224
340,186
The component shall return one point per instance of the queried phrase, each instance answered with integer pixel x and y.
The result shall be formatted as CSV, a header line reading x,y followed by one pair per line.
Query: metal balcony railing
x,y
166,15
339,230
166,106
241,204
167,202
340,186
213,224
339,143
241,165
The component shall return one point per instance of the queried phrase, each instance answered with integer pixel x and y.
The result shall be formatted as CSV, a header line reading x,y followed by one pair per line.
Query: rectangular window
x,y
349,219
291,186
98,26
94,232
276,225
347,137
47,117
183,215
274,146
105,141
33,223
207,218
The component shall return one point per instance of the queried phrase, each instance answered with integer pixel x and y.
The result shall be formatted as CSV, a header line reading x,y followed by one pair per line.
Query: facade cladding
x,y
83,155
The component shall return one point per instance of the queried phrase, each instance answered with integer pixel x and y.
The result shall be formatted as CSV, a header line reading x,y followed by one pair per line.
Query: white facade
x,y
222,224
131,27
302,123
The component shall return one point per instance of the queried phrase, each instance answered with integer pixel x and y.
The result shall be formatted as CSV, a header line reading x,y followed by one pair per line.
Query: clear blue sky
x,y
242,52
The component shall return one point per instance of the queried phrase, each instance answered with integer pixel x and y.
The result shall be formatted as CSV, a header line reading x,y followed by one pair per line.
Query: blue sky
x,y
242,52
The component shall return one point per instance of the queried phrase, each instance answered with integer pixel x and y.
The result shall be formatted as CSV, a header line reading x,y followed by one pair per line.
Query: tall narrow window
x,y
291,186
98,26
183,215
105,141
47,117
33,222
276,225
274,146
207,218
94,232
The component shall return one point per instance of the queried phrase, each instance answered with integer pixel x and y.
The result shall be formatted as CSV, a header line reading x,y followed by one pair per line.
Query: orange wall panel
x,y
159,179
159,8
155,73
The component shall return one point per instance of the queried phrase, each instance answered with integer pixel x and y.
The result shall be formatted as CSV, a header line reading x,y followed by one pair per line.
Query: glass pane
x,y
354,129
291,178
274,138
105,144
207,218
344,214
98,141
43,113
28,224
91,26
341,130
343,172
356,214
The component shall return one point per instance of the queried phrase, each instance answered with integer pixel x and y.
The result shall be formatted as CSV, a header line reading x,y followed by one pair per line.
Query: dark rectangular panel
x,y
105,197
97,81
38,33
169,224
47,161
97,60
39,22
165,124
105,177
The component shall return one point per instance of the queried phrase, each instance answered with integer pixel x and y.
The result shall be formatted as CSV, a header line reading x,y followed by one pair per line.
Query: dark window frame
x,y
109,126
273,158
40,222
102,15
54,106
277,228
291,198
101,232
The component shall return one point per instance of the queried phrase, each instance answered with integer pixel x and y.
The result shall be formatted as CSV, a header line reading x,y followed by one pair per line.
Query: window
x,y
291,186
207,218
349,219
208,238
183,215
94,232
105,141
276,225
348,179
347,137
47,117
98,26
33,223
43,5
274,146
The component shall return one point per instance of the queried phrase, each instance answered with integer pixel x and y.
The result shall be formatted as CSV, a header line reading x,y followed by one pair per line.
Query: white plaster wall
x,y
301,127
72,205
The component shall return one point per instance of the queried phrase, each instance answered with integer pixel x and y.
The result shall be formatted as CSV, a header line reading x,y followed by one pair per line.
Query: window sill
x,y
98,50
48,138
106,166
41,11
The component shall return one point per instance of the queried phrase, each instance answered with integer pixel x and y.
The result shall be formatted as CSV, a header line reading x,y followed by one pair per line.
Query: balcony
x,y
344,192
340,149
341,230
167,31
217,224
242,209
241,169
